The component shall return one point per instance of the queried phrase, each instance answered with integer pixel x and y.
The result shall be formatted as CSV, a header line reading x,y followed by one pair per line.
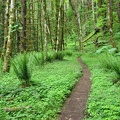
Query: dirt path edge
x,y
75,105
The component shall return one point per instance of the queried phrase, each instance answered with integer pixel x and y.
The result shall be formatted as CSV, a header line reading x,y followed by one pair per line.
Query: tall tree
x,y
118,10
110,22
93,13
6,24
45,29
6,66
23,31
76,12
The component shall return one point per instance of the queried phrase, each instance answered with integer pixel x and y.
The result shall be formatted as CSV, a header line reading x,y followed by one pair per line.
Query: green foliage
x,y
59,55
22,69
107,48
111,63
72,37
44,100
103,102
69,13
37,58
49,57
68,53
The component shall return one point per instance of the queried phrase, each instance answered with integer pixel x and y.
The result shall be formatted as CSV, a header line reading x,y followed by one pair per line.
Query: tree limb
x,y
97,30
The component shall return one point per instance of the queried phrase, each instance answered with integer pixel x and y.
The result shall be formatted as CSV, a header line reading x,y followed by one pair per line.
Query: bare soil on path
x,y
74,107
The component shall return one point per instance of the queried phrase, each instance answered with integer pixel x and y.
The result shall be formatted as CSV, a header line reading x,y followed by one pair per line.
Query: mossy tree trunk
x,y
6,66
6,24
23,31
118,10
75,7
62,27
110,22
93,13
79,26
45,29
57,25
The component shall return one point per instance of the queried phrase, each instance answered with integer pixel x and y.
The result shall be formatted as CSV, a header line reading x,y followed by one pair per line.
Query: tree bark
x,y
77,14
110,22
118,10
23,31
6,66
93,13
6,24
45,30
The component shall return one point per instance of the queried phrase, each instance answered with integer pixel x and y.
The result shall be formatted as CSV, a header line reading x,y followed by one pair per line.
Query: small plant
x,y
69,53
49,58
112,63
59,55
22,69
116,68
107,49
38,59
102,49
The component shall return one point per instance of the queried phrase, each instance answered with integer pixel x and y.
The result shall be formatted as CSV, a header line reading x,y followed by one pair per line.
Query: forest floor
x,y
75,105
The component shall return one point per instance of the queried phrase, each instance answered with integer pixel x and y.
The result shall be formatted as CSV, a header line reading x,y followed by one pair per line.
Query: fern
x,y
59,55
22,70
111,63
38,59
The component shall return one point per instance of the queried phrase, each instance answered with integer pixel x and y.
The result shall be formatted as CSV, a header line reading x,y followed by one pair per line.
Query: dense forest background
x,y
41,25
39,43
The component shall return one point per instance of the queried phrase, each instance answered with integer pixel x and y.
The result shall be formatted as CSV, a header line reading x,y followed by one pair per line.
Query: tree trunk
x,y
6,66
45,30
23,31
79,27
62,27
118,10
6,24
93,13
77,14
110,22
41,28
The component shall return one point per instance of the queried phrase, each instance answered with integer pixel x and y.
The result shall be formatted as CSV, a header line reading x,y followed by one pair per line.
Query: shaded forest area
x,y
41,38
29,25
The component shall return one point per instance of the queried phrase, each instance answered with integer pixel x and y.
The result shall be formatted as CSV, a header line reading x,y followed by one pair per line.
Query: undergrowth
x,y
44,99
21,67
104,99
110,62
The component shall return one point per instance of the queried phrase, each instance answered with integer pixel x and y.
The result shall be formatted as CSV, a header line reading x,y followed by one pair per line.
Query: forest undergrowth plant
x,y
38,59
68,53
103,102
111,62
49,58
59,55
44,100
106,48
22,69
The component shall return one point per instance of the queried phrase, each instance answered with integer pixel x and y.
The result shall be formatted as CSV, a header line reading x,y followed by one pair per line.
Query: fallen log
x,y
97,30
14,109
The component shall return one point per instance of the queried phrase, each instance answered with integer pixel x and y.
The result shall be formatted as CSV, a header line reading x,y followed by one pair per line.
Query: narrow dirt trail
x,y
76,103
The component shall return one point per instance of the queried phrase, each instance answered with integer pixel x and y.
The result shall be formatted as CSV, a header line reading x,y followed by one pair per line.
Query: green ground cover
x,y
104,99
44,99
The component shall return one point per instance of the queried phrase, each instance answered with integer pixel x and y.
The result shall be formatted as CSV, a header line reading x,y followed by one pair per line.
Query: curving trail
x,y
76,103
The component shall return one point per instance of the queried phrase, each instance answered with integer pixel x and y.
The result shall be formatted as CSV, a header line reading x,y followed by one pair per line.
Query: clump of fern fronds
x,y
59,55
38,59
111,62
22,69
